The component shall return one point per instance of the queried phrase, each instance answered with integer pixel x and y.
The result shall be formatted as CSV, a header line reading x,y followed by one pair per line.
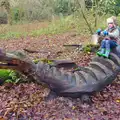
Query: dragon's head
x,y
16,60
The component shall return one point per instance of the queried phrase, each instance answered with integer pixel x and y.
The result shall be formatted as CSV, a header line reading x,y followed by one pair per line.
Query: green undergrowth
x,y
50,62
90,48
12,35
56,27
9,76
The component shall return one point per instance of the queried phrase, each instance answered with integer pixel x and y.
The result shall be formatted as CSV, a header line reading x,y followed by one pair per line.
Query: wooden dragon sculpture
x,y
90,79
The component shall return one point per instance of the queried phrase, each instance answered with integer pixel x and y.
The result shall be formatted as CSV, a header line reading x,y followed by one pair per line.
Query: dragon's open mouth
x,y
15,60
8,64
8,60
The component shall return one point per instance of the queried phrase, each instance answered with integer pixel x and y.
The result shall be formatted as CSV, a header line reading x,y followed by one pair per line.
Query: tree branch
x,y
90,29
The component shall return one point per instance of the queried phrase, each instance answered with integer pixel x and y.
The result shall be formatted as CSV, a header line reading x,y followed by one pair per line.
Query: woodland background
x,y
84,16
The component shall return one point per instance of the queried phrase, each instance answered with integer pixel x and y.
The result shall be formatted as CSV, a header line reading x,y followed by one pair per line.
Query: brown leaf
x,y
1,118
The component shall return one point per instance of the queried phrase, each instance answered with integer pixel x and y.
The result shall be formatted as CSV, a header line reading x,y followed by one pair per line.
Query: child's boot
x,y
99,53
107,52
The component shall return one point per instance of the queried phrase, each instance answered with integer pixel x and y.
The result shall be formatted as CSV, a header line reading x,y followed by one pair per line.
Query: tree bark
x,y
6,5
82,2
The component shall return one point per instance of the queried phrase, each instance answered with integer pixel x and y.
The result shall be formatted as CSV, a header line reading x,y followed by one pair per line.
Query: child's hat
x,y
110,20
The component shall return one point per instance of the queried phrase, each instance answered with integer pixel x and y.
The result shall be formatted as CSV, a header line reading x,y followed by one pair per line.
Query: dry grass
x,y
35,28
20,30
28,27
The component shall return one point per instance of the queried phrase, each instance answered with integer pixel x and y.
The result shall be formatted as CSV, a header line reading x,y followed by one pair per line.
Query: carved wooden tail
x,y
92,78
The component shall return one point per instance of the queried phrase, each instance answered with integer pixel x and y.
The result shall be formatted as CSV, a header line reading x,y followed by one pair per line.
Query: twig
x,y
34,51
85,18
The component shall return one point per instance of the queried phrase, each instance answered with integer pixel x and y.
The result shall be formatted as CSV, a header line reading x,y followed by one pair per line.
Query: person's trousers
x,y
108,44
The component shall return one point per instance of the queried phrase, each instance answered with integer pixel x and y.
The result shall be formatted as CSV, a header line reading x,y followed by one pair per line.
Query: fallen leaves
x,y
20,98
1,118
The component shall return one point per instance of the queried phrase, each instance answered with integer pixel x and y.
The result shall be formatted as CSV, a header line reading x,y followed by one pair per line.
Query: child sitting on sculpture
x,y
111,37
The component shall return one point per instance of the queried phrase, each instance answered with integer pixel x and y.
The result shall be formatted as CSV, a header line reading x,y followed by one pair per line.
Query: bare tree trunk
x,y
9,18
96,13
6,5
82,2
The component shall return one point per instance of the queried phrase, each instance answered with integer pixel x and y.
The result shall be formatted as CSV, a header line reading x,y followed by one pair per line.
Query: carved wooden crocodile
x,y
90,79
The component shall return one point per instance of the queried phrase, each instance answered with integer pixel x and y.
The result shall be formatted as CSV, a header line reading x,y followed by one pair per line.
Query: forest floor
x,y
25,101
